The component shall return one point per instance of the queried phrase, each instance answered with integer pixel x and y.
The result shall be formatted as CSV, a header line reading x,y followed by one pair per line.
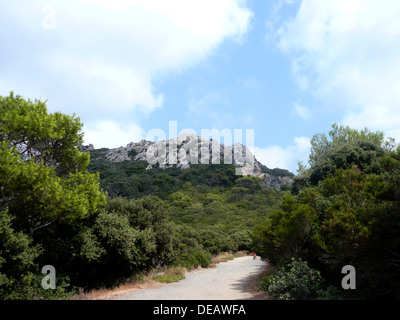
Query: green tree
x,y
251,183
285,233
17,261
181,200
148,216
239,192
215,241
43,176
345,148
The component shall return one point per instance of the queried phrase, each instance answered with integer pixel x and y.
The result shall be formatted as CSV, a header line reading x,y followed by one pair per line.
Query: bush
x,y
192,258
295,281
242,240
17,261
263,283
204,258
215,241
63,291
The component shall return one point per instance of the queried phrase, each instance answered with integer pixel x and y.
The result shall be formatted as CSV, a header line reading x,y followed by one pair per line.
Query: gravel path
x,y
232,280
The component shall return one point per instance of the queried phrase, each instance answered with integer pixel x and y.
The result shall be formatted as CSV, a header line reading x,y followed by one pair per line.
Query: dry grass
x,y
131,285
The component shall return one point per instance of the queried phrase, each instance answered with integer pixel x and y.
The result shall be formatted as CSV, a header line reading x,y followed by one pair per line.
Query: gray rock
x,y
89,147
189,149
275,181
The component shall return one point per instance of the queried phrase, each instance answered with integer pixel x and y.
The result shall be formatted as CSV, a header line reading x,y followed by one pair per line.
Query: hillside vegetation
x,y
101,223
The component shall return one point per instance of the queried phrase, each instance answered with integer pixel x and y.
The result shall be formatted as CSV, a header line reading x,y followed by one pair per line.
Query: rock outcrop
x,y
89,147
189,149
275,181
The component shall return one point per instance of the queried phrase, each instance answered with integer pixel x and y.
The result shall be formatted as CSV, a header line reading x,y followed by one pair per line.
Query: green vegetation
x,y
296,281
101,223
130,179
43,184
171,275
209,204
276,171
344,209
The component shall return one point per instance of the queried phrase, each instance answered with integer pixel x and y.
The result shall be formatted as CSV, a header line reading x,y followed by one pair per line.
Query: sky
x,y
287,69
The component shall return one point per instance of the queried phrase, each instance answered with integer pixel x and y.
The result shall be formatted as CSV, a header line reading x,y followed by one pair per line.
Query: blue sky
x,y
287,68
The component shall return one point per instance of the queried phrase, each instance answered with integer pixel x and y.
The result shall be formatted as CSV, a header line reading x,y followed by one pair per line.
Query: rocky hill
x,y
190,149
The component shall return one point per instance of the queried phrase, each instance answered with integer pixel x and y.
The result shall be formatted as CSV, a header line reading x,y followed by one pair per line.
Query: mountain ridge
x,y
188,149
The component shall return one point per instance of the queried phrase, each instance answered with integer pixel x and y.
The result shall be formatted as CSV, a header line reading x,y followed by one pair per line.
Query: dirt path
x,y
232,280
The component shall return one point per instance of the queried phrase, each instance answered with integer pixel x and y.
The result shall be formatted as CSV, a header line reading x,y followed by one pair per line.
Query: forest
x,y
101,223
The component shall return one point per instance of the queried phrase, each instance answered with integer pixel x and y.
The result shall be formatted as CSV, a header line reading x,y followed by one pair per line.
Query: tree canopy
x,y
43,176
343,210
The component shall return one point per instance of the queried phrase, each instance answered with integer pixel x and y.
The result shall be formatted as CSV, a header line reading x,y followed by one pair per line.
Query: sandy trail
x,y
232,280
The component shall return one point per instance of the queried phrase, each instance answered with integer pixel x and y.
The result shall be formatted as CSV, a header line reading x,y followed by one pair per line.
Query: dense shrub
x,y
241,240
17,261
295,281
215,241
192,258
286,232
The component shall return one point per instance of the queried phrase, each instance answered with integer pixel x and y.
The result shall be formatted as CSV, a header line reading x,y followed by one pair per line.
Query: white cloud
x,y
110,134
347,54
100,58
113,89
159,34
285,158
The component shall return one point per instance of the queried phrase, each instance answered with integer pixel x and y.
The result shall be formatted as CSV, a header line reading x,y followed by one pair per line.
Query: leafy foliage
x,y
99,223
193,257
344,149
17,259
43,183
43,176
296,281
345,210
285,233
222,207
